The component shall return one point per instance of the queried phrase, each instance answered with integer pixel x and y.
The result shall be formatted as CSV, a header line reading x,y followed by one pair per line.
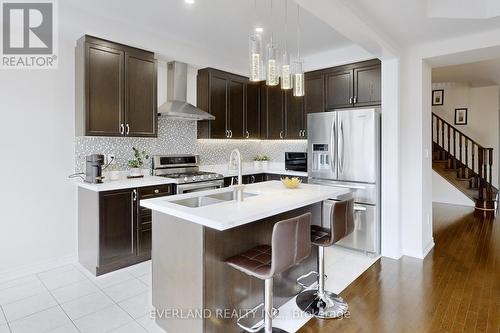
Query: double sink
x,y
211,199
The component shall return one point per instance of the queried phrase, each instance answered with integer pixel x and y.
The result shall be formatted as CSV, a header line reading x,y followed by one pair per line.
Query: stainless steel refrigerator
x,y
344,150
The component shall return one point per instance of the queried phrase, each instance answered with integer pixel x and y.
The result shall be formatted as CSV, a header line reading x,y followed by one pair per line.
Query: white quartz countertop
x,y
272,198
123,183
249,169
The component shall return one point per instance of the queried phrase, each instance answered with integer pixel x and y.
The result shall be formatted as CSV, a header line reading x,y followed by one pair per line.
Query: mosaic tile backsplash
x,y
179,137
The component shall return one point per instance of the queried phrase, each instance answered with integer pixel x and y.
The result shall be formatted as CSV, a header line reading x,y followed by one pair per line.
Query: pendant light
x,y
298,73
256,58
286,73
272,75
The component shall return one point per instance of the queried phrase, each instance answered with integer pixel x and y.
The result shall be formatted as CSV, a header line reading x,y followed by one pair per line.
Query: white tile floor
x,y
69,299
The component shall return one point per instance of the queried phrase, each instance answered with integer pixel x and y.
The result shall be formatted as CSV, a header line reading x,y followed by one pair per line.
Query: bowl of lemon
x,y
292,182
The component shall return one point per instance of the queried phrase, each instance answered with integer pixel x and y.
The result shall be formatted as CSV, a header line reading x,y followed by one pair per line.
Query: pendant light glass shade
x,y
272,76
286,71
255,57
298,78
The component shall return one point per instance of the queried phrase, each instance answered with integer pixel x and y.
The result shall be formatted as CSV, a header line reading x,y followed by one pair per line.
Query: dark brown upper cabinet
x,y
368,85
252,112
347,86
294,116
339,88
116,89
224,95
272,112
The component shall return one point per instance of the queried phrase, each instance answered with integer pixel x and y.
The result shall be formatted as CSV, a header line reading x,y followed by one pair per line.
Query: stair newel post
x,y
480,167
490,166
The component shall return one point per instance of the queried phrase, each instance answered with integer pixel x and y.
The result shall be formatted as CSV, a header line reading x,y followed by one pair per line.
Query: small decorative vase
x,y
135,172
264,165
257,165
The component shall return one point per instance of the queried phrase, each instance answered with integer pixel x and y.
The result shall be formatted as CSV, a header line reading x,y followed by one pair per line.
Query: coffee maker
x,y
93,169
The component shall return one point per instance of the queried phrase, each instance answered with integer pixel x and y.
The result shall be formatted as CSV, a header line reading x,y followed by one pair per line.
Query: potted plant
x,y
137,162
264,162
260,162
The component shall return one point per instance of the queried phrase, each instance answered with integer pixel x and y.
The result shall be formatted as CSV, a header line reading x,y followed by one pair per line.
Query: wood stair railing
x,y
471,161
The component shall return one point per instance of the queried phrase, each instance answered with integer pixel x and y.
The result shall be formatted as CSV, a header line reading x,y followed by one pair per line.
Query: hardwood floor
x,y
455,289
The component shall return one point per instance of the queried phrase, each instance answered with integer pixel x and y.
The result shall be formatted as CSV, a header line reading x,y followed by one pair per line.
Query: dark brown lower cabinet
x,y
113,230
117,227
257,178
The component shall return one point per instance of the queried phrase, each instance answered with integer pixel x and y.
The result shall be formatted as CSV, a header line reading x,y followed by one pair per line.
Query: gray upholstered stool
x,y
321,303
290,245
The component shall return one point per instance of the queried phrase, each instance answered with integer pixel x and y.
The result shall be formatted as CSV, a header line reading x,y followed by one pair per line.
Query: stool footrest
x,y
256,312
304,279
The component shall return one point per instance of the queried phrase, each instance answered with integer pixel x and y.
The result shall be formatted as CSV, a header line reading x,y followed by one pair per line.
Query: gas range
x,y
192,177
184,169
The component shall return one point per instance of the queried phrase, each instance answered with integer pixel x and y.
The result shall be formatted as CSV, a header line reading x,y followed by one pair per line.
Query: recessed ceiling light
x,y
189,1
259,29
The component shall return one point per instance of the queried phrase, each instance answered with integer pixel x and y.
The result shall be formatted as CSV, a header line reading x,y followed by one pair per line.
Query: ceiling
x,y
214,28
476,74
407,21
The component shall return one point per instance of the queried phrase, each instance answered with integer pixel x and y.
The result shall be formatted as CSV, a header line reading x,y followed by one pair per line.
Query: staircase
x,y
464,163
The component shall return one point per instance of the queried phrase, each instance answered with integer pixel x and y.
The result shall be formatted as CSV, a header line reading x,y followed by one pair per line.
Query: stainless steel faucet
x,y
238,188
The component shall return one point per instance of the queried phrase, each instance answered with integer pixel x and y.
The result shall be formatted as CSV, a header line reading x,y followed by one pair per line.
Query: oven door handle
x,y
217,184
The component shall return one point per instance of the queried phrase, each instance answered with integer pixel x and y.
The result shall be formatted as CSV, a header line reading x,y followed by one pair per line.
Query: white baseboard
x,y
10,274
428,248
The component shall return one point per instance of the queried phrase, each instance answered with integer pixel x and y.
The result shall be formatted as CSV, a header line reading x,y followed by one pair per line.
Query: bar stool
x,y
321,303
290,245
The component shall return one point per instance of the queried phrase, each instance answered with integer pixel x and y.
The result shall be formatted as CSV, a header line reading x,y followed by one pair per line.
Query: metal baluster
x,y
448,148
490,163
473,148
466,173
442,134
461,160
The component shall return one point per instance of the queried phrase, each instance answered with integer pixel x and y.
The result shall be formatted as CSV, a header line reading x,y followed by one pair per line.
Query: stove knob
x,y
202,177
209,176
194,177
186,179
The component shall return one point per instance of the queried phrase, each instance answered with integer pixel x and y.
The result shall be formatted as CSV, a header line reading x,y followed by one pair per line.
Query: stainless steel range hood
x,y
176,105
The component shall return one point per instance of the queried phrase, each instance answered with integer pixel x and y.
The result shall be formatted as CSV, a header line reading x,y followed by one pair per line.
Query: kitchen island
x,y
193,289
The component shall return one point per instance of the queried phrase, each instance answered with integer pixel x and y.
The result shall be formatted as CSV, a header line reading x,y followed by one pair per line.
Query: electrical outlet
x,y
110,158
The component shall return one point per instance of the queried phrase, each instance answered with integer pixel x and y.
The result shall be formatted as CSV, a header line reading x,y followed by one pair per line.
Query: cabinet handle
x,y
230,133
281,134
134,195
122,129
350,100
248,134
128,129
227,133
157,191
355,99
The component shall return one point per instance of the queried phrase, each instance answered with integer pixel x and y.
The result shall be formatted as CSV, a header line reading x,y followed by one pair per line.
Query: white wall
x,y
415,158
38,203
483,115
444,192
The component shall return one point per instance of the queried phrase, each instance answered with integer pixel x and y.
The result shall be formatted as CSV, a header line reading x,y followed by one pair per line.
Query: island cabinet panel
x,y
223,95
117,227
140,97
115,89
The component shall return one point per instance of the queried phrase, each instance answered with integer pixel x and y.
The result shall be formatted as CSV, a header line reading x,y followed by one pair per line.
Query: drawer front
x,y
155,191
145,221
